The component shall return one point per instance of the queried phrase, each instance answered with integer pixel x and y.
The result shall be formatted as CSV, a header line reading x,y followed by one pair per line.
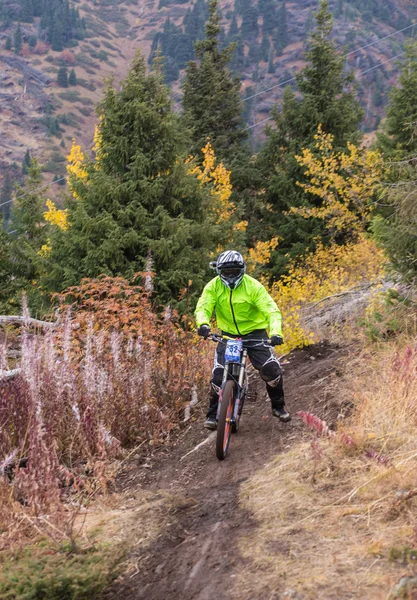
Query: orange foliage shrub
x,y
68,57
41,47
25,51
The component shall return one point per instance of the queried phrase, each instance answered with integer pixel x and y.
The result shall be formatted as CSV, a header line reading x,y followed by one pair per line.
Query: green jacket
x,y
240,311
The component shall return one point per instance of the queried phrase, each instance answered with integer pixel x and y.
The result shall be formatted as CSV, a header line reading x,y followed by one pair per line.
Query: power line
x,y
381,39
383,63
350,53
269,89
38,190
258,123
358,74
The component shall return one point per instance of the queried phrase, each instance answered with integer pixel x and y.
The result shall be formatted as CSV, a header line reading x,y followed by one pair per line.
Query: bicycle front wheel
x,y
224,425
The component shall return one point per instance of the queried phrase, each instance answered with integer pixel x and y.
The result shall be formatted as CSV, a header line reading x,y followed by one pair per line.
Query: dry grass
x,y
338,520
116,532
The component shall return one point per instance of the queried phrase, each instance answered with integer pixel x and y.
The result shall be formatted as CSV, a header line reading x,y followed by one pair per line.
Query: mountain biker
x,y
243,309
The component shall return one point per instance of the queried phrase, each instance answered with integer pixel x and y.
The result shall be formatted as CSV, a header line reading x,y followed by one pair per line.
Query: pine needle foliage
x,y
212,102
325,97
137,197
396,226
29,235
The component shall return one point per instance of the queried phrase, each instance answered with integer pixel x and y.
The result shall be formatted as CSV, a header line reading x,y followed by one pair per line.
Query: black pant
x,y
262,359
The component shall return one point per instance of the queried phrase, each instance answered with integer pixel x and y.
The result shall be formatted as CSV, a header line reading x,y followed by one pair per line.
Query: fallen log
x,y
25,321
9,374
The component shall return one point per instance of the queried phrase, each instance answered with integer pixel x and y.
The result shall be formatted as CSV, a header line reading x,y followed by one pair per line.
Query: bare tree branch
x,y
9,374
25,321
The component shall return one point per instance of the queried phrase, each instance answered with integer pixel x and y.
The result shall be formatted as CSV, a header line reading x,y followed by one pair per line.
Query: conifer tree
x,y
72,79
140,197
399,135
396,227
26,162
29,233
57,37
267,8
7,277
62,77
26,14
8,44
271,66
212,103
18,40
265,47
6,196
281,39
326,98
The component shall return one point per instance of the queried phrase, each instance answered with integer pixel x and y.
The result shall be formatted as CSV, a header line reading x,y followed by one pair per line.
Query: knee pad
x,y
271,372
217,378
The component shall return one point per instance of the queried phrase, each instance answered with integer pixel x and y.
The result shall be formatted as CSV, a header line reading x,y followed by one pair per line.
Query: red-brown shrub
x,y
41,47
111,375
25,51
68,57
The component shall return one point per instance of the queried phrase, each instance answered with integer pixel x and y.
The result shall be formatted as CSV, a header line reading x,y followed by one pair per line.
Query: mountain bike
x,y
234,388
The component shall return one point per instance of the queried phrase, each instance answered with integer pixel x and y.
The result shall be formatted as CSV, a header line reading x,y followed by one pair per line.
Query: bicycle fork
x,y
238,374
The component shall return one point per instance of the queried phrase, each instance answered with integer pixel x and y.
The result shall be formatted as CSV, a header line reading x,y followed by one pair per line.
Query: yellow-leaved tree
x,y
217,178
77,166
214,175
345,182
327,271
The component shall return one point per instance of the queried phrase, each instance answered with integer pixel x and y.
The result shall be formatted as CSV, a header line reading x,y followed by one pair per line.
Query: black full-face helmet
x,y
231,268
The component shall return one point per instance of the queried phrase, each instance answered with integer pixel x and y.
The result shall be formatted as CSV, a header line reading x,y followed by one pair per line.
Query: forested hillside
x,y
109,486
54,56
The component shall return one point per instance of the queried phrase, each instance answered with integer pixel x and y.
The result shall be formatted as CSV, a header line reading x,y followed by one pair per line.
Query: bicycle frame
x,y
235,371
234,387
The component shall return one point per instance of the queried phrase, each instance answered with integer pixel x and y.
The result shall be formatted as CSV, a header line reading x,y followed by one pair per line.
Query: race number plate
x,y
233,351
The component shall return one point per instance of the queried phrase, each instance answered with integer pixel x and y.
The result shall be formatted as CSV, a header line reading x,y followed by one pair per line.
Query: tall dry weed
x,y
112,375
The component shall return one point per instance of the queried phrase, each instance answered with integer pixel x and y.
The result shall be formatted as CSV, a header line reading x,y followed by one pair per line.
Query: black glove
x,y
276,340
204,331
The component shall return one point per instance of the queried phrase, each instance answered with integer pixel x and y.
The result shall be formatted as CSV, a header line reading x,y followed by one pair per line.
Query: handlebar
x,y
223,338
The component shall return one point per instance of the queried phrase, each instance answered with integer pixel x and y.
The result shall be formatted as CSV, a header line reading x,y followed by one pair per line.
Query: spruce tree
x,y
265,47
57,37
62,77
8,44
29,234
396,226
267,8
140,196
6,196
72,79
8,283
211,102
26,162
326,98
271,66
399,135
18,40
281,39
26,13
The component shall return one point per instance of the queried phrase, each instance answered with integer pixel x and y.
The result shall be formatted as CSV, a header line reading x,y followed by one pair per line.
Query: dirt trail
x,y
197,557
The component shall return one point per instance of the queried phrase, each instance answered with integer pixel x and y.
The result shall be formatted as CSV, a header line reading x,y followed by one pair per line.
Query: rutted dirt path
x,y
196,558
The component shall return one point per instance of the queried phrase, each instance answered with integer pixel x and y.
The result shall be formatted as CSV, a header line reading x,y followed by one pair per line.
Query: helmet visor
x,y
231,272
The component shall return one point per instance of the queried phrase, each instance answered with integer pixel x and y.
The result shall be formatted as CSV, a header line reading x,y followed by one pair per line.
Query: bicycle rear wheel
x,y
224,425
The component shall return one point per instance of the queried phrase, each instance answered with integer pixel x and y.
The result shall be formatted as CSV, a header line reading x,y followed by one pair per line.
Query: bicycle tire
x,y
224,427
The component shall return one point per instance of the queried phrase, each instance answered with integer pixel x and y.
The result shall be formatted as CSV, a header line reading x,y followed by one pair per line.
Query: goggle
x,y
231,272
